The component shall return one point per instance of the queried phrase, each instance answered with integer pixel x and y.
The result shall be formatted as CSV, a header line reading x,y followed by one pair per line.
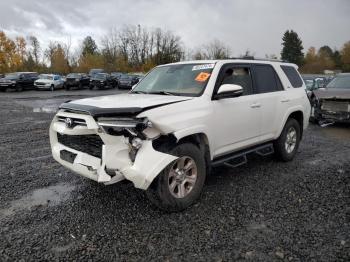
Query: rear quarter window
x,y
292,75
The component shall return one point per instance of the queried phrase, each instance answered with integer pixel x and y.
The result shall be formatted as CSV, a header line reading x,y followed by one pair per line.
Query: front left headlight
x,y
133,125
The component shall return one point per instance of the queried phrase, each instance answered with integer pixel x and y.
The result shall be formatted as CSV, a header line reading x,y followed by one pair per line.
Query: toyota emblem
x,y
69,122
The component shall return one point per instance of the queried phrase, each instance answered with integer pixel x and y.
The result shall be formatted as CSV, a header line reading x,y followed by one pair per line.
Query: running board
x,y
240,158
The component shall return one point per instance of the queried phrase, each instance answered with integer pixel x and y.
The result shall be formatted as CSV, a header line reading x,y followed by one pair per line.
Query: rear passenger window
x,y
293,76
266,79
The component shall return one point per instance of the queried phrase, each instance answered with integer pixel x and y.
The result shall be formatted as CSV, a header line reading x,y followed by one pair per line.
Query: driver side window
x,y
238,75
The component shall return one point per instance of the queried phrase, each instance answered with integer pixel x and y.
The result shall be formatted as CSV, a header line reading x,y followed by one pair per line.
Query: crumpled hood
x,y
335,93
129,100
121,104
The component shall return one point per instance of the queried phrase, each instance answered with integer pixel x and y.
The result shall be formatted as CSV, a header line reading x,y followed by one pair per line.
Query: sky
x,y
257,25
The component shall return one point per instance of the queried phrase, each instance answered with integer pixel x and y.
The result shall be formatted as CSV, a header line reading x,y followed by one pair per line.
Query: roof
x,y
235,60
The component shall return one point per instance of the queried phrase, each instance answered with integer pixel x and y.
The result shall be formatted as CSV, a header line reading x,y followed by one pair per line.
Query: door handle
x,y
255,105
285,100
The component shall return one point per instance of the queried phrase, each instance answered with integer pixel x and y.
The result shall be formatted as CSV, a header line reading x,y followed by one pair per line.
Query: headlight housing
x,y
129,127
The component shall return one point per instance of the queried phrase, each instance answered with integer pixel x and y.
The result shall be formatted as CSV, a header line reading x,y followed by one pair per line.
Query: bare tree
x,y
35,49
213,50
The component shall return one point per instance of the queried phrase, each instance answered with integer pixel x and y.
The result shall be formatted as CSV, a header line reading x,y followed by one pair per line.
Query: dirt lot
x,y
265,210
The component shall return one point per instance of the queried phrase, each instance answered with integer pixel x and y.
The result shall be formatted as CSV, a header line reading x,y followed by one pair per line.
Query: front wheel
x,y
180,184
19,88
287,144
52,88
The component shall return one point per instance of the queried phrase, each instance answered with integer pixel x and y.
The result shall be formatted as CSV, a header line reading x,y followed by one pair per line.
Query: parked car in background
x,y
18,81
49,81
315,81
102,81
127,81
79,80
117,75
94,71
332,103
2,76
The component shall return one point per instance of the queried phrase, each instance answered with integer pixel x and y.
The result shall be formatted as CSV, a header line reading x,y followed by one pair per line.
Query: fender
x,y
286,116
198,129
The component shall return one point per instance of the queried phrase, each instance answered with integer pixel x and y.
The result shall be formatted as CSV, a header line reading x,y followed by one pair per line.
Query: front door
x,y
237,120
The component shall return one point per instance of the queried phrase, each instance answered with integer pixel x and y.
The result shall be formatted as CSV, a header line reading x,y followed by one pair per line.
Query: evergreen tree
x,y
89,46
292,50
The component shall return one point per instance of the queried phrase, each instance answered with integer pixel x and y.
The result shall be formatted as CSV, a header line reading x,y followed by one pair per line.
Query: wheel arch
x,y
165,143
298,115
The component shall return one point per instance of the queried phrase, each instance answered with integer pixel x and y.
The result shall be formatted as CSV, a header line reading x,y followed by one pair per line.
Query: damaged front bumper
x,y
332,111
106,158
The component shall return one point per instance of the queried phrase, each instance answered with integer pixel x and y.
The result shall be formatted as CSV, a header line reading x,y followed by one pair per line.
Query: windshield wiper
x,y
138,92
163,93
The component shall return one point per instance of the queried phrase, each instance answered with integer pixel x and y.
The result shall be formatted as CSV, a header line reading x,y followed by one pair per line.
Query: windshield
x,y
125,77
342,82
48,77
12,76
100,76
183,79
73,76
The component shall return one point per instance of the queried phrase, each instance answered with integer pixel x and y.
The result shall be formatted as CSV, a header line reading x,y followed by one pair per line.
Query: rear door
x,y
271,95
237,120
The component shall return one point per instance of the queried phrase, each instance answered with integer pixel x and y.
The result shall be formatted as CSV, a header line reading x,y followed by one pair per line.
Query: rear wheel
x,y
180,184
287,144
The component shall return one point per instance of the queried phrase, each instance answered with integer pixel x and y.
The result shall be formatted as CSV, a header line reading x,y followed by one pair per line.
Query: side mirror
x,y
229,90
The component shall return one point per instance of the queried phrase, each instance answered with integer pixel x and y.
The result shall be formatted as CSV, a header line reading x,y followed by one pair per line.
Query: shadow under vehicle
x,y
332,103
18,81
103,81
78,80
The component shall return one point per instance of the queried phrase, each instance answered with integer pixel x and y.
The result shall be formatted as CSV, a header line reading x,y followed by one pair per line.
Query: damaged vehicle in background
x,y
102,81
314,81
79,80
332,104
181,120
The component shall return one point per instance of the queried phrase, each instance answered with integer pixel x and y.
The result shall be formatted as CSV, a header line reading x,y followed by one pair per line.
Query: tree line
x,y
314,61
138,49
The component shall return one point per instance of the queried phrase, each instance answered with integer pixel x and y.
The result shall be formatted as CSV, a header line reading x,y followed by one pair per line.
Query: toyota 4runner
x,y
179,121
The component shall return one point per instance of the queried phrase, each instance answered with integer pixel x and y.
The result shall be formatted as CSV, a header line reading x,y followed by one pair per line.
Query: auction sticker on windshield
x,y
202,77
202,67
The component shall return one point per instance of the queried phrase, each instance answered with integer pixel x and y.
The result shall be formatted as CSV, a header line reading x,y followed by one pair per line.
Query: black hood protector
x,y
110,112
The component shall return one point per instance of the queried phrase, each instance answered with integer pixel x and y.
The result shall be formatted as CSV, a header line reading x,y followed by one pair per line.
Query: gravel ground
x,y
263,211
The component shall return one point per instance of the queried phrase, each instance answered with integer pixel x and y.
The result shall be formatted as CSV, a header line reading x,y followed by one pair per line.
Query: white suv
x,y
179,121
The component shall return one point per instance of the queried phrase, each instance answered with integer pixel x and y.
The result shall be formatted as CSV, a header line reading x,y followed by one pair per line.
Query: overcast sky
x,y
256,25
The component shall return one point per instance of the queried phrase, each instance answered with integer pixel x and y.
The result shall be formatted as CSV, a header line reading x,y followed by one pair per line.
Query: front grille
x,y
75,121
89,144
335,106
40,83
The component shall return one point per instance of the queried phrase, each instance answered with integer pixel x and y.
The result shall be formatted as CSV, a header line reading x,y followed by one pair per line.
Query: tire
x,y
176,199
80,86
286,146
19,88
91,87
66,87
52,88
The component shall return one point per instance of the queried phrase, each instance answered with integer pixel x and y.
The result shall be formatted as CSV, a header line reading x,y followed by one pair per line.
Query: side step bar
x,y
239,158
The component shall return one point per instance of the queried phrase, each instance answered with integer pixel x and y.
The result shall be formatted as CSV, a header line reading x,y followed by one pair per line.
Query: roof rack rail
x,y
259,59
